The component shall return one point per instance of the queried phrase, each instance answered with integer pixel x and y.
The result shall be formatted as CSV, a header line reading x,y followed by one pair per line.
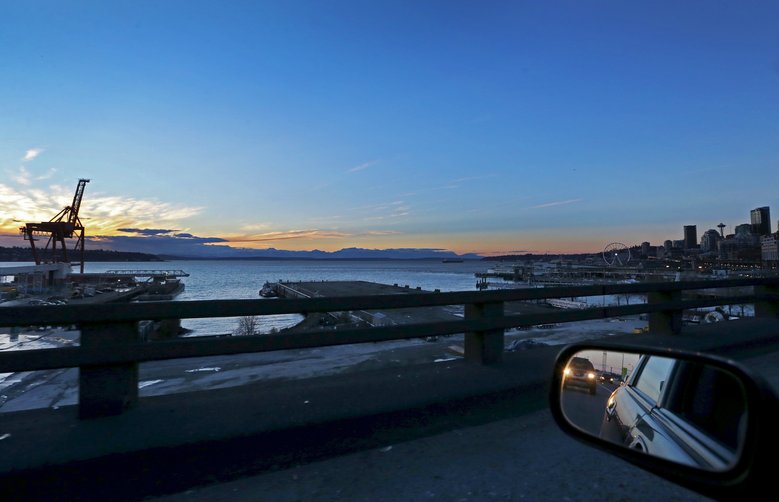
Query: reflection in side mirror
x,y
680,409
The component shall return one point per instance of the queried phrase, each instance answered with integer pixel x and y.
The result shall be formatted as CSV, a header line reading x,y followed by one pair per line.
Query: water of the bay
x,y
242,279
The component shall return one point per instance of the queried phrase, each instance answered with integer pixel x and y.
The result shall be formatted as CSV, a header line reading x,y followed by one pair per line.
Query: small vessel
x,y
268,290
452,260
160,290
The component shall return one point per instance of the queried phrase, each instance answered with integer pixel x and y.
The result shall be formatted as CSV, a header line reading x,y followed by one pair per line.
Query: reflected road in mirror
x,y
680,410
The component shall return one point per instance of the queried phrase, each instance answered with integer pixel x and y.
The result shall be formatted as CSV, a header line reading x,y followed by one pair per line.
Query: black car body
x,y
609,378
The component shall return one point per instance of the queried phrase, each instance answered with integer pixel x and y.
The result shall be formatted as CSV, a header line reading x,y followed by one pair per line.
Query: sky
x,y
486,127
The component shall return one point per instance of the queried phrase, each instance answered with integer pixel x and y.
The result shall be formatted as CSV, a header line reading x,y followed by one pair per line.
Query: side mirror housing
x,y
700,421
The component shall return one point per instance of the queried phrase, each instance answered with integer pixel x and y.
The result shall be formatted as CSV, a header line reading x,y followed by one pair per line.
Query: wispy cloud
x,y
389,210
364,166
147,231
170,244
100,214
255,227
288,235
31,154
556,203
423,191
382,211
107,214
458,182
502,253
22,176
327,218
379,207
376,233
472,178
50,173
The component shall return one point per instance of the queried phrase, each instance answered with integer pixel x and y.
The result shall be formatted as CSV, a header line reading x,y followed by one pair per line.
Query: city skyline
x,y
497,128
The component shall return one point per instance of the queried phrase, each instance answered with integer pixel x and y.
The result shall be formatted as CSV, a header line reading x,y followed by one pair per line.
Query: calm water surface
x,y
212,280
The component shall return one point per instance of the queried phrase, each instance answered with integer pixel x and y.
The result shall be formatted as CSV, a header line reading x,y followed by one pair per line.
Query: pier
x,y
518,274
56,281
388,316
382,317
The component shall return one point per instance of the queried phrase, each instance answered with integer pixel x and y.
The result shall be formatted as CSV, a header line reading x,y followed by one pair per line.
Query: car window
x,y
654,376
712,400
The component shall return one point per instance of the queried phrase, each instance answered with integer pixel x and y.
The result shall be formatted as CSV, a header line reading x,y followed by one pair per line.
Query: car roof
x,y
578,361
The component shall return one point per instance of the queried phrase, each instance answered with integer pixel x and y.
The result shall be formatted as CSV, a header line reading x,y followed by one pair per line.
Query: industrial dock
x,y
385,317
52,281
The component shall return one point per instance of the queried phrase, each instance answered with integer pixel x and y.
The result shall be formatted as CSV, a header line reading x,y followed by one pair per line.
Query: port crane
x,y
64,225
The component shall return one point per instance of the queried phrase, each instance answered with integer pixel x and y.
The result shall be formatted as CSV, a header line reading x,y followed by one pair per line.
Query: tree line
x,y
24,254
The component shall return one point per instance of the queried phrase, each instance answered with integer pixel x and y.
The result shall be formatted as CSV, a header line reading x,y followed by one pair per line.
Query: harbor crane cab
x,y
64,225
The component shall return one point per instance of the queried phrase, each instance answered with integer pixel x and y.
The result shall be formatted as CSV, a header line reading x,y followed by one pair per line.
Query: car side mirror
x,y
701,421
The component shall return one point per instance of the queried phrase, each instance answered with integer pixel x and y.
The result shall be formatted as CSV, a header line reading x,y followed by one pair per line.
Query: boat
x,y
268,290
165,290
452,260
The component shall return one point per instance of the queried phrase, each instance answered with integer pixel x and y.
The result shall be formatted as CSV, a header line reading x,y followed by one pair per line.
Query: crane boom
x,y
74,208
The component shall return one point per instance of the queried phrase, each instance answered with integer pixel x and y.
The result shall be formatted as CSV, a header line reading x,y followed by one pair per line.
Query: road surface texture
x,y
526,458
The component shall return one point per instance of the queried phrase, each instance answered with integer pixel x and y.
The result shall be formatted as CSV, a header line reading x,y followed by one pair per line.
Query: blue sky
x,y
486,127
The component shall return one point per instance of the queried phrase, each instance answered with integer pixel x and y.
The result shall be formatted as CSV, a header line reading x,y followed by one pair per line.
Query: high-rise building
x,y
769,247
760,218
709,241
690,237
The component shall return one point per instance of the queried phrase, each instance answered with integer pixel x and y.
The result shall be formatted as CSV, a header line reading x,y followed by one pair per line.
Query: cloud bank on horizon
x,y
185,245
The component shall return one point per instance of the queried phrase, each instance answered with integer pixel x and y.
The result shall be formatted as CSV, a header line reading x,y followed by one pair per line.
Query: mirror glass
x,y
681,410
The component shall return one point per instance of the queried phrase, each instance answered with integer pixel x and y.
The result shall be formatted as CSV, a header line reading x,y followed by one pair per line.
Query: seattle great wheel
x,y
616,254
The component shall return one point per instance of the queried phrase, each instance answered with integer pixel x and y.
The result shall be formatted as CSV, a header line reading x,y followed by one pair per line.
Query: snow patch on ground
x,y
147,383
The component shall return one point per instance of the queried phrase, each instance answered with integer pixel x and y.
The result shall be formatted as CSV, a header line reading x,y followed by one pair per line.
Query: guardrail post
x,y
666,322
484,347
111,388
767,308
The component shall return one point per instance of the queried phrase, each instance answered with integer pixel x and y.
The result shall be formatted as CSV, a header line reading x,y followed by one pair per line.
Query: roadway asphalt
x,y
449,431
521,458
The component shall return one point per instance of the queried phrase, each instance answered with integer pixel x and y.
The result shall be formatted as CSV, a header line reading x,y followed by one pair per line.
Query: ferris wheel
x,y
616,254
